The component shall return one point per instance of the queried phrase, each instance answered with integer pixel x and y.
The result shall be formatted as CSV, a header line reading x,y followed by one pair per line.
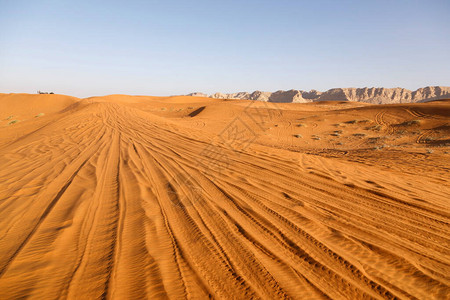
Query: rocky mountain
x,y
368,95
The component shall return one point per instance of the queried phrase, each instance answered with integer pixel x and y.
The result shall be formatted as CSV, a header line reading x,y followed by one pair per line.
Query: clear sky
x,y
87,48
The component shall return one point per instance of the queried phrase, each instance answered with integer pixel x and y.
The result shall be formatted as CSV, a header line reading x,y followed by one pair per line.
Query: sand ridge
x,y
187,197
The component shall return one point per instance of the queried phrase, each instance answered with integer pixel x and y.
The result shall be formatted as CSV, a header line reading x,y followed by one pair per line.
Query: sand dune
x,y
189,197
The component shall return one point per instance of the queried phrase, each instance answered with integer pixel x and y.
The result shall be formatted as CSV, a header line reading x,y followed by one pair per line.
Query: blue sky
x,y
86,48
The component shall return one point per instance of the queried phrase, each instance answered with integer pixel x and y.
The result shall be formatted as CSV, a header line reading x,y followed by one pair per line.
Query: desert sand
x,y
133,197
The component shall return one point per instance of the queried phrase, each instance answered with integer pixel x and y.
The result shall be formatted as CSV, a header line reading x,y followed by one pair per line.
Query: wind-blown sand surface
x,y
182,197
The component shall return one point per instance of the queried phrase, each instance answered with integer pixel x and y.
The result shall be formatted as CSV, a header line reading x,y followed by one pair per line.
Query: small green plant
x,y
13,122
9,118
39,115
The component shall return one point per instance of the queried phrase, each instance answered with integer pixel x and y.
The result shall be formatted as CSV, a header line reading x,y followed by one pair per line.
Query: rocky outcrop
x,y
197,95
367,95
383,95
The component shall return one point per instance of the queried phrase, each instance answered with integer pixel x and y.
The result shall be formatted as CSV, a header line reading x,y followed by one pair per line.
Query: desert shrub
x,y
429,151
359,134
39,115
315,137
13,122
374,139
9,118
412,122
335,134
298,136
301,125
358,121
375,128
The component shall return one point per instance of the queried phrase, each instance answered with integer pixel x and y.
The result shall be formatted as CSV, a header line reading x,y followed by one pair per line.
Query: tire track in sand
x,y
126,225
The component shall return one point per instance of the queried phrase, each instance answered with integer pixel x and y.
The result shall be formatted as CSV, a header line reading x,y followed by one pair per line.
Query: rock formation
x,y
367,95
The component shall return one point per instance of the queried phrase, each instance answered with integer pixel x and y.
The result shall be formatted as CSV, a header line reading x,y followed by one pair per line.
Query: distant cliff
x,y
368,95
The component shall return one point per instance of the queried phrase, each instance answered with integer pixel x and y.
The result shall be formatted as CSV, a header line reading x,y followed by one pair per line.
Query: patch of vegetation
x,y
375,128
409,123
315,137
378,147
301,125
39,115
335,134
299,136
358,121
9,118
359,134
374,139
13,122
